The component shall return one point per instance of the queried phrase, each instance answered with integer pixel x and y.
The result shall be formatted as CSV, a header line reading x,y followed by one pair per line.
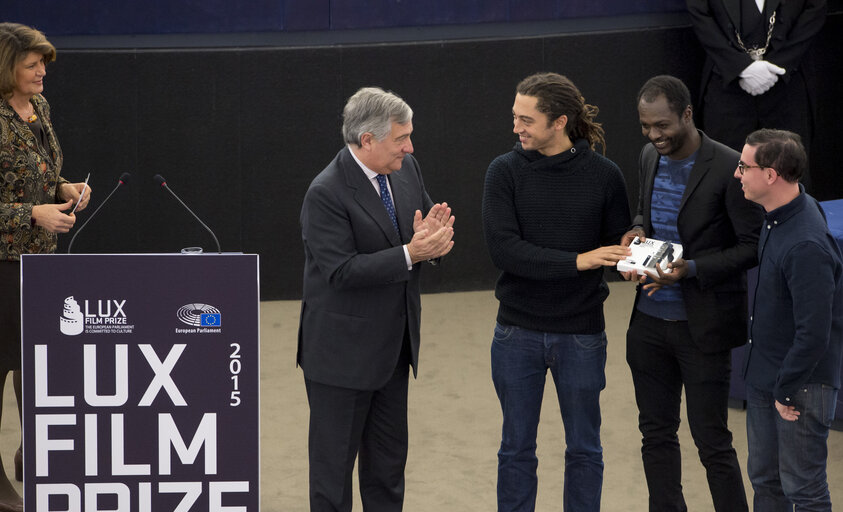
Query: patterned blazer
x,y
29,176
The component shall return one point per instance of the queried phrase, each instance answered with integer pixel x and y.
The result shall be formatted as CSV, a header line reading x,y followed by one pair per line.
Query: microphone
x,y
124,178
163,182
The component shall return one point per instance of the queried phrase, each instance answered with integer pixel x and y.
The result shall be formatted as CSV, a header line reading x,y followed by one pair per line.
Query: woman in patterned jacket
x,y
35,201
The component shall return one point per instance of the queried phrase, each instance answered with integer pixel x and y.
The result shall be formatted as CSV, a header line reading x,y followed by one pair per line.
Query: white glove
x,y
749,88
759,77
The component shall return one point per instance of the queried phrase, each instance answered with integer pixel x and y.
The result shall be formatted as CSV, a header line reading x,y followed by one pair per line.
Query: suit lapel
x,y
401,196
367,197
733,10
702,165
23,132
53,152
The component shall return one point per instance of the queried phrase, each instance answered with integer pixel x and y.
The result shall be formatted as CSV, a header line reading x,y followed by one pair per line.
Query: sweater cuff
x,y
692,268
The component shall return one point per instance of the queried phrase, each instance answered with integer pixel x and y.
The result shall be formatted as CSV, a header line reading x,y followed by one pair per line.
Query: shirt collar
x,y
369,173
783,213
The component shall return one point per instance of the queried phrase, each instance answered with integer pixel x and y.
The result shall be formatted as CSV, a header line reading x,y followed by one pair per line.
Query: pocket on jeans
x,y
503,332
591,341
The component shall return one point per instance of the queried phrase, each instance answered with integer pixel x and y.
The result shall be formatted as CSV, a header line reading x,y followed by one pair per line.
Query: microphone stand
x,y
124,178
163,182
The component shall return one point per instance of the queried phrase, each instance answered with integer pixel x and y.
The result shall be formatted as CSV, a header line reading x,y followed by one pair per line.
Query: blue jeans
x,y
577,362
787,459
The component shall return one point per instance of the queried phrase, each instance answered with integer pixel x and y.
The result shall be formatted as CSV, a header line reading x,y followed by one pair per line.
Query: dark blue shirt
x,y
796,327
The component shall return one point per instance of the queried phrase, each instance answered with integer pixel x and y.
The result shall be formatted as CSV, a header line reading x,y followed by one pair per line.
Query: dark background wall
x,y
93,17
240,131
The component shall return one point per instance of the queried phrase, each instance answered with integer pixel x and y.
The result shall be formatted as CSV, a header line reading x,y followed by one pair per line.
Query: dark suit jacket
x,y
715,21
358,296
797,23
718,229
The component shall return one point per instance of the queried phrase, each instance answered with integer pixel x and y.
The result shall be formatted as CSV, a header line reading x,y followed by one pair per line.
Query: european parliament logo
x,y
200,315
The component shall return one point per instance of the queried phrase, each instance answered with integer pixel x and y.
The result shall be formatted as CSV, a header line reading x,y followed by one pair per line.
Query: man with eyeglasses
x,y
685,322
795,331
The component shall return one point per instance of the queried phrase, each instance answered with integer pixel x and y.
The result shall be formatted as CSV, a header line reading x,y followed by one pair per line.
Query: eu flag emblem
x,y
211,319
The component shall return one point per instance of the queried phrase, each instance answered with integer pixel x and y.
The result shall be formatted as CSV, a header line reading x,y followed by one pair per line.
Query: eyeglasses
x,y
742,167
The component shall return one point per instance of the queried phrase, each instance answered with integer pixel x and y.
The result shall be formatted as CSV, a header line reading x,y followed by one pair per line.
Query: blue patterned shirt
x,y
668,188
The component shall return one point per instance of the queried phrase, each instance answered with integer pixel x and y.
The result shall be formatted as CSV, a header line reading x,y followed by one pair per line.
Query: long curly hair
x,y
557,96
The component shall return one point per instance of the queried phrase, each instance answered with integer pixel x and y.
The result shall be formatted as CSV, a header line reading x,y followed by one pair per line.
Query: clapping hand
x,y
438,216
433,234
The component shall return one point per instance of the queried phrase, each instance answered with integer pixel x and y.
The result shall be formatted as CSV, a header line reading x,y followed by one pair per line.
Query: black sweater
x,y
538,214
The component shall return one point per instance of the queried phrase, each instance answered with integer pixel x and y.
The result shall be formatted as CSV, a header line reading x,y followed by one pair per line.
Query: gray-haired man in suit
x,y
365,240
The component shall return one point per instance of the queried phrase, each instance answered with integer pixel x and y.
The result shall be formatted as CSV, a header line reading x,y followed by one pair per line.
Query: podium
x,y
141,382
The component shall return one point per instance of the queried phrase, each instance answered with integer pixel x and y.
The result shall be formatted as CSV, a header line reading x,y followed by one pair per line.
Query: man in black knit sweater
x,y
551,208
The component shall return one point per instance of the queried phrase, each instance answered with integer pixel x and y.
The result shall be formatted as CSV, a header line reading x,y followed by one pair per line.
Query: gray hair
x,y
373,110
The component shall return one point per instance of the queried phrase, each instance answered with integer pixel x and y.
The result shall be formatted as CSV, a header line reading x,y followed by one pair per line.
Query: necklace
x,y
31,117
756,53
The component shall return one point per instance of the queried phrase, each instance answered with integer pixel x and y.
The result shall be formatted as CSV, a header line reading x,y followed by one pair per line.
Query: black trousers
x,y
346,424
663,358
10,355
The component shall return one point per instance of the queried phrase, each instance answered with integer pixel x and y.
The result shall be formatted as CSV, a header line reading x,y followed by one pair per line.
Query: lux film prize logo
x,y
72,321
104,316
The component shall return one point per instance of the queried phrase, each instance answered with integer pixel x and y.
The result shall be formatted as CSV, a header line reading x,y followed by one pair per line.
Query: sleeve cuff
x,y
692,268
783,397
407,258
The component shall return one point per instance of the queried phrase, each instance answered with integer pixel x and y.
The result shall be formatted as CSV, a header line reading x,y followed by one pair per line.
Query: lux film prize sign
x,y
141,383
